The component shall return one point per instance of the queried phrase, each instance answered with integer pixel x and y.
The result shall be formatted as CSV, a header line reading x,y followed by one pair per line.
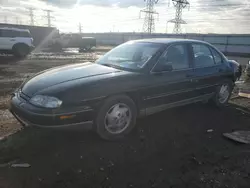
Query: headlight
x,y
45,101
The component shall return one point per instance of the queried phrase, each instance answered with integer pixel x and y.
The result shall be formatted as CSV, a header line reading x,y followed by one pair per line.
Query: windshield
x,y
131,55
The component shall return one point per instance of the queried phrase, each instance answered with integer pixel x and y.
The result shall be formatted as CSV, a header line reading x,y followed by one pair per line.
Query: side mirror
x,y
163,66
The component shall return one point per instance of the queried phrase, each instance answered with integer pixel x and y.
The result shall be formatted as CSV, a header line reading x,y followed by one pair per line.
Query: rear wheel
x,y
85,48
21,50
116,118
223,93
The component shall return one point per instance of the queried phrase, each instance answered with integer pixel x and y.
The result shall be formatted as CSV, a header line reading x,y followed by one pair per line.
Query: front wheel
x,y
223,93
116,118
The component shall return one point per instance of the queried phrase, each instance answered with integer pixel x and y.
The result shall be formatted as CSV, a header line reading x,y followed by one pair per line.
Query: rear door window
x,y
202,56
13,33
217,57
6,33
24,34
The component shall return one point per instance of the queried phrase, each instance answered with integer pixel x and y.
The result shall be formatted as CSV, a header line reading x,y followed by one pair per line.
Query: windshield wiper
x,y
109,65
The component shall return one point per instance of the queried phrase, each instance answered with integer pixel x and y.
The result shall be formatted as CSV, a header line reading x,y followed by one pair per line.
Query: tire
x,y
119,114
56,47
220,99
21,50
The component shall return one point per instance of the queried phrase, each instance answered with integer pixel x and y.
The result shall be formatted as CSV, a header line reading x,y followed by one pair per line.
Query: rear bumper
x,y
29,115
32,48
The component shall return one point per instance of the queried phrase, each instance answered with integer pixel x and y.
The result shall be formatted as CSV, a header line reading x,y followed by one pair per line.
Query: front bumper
x,y
30,115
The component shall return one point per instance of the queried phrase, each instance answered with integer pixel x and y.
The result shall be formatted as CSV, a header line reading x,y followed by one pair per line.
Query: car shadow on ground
x,y
191,118
9,59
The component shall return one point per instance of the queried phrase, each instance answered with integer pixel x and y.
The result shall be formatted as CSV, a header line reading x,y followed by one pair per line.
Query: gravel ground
x,y
169,149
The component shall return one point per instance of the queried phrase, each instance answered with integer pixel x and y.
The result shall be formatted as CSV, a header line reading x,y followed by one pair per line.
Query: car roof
x,y
169,40
14,29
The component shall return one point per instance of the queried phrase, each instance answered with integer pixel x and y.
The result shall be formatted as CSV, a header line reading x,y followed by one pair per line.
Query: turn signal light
x,y
67,117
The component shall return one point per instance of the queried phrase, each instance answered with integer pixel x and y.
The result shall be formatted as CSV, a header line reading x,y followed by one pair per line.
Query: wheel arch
x,y
134,96
19,44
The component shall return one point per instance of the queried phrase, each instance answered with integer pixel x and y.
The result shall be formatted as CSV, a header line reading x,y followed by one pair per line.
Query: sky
x,y
202,16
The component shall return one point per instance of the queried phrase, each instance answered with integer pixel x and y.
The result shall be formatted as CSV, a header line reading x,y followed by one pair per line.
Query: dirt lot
x,y
170,149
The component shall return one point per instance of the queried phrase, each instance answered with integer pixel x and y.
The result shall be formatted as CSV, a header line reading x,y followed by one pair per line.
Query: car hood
x,y
63,74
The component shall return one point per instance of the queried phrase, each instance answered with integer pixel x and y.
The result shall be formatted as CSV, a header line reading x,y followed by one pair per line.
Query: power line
x,y
179,6
149,20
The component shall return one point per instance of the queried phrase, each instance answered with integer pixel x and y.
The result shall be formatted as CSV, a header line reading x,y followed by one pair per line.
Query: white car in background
x,y
18,42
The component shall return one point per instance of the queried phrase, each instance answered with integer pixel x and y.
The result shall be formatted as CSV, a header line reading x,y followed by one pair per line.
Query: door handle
x,y
12,39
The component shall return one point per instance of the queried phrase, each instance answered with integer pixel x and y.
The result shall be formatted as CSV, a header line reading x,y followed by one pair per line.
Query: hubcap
x,y
224,93
117,118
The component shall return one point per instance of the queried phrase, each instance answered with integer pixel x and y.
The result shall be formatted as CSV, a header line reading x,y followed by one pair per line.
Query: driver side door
x,y
170,80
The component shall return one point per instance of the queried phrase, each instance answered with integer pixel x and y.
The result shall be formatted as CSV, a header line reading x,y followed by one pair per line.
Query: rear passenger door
x,y
207,64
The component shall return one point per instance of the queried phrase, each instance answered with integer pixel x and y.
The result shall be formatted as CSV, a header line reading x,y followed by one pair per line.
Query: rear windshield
x,y
13,33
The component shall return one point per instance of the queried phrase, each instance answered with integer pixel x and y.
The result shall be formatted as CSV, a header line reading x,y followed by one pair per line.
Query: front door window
x,y
176,57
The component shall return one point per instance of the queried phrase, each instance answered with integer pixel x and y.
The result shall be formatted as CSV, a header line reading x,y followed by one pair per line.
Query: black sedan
x,y
135,79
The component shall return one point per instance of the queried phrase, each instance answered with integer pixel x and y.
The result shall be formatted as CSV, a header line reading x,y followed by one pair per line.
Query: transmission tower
x,y
179,6
149,19
48,17
31,14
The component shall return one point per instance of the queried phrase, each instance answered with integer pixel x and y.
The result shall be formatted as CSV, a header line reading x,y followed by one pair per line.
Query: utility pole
x,y
80,27
48,17
17,21
5,19
179,6
31,14
149,20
